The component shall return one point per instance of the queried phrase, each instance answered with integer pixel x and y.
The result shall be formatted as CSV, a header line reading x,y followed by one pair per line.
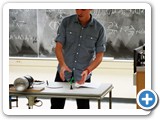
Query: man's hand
x,y
84,76
59,54
62,70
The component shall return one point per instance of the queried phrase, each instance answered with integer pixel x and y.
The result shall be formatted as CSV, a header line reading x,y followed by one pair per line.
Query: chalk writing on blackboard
x,y
32,31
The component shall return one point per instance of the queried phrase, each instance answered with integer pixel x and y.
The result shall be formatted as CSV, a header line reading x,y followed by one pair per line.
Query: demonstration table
x,y
62,90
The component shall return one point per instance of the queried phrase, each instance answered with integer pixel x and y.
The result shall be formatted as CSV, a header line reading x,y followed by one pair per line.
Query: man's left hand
x,y
84,76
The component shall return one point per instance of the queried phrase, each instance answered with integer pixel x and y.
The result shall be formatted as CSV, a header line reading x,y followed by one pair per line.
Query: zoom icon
x,y
147,99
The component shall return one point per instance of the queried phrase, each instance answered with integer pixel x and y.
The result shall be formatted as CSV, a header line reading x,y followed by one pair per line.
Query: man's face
x,y
83,13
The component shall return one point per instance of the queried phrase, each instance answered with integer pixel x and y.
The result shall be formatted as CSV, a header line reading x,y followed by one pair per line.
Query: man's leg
x,y
57,103
83,103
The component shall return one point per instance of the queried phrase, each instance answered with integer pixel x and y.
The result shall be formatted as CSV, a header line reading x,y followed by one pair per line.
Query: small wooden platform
x,y
34,89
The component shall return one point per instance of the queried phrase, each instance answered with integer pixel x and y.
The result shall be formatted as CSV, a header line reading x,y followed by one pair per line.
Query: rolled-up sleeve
x,y
101,42
61,33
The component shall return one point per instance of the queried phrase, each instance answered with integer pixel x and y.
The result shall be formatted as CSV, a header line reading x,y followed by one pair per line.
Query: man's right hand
x,y
62,70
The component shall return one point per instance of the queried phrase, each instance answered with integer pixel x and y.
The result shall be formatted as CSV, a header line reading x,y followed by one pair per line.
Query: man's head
x,y
83,14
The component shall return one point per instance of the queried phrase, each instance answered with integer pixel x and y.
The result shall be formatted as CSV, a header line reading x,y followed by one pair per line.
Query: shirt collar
x,y
90,22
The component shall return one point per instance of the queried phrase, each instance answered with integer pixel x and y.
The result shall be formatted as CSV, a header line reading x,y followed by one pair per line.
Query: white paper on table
x,y
87,85
54,86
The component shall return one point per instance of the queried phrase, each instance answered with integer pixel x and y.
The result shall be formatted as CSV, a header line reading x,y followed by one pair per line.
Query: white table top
x,y
62,89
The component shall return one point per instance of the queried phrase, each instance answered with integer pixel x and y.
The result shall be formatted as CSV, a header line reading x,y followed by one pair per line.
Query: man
x,y
80,45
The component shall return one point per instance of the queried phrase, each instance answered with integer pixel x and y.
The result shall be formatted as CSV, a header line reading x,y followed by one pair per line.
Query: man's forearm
x,y
96,61
59,54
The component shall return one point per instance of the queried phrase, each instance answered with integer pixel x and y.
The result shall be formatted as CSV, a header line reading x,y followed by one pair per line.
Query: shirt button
x,y
77,53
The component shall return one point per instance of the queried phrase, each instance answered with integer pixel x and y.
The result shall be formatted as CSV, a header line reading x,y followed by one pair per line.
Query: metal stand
x,y
31,102
13,100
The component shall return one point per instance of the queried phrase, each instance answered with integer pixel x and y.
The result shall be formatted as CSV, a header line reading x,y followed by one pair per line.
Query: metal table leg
x,y
99,104
110,99
17,101
10,102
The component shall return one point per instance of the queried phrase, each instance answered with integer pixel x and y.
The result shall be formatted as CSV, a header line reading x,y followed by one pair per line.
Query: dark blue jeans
x,y
58,103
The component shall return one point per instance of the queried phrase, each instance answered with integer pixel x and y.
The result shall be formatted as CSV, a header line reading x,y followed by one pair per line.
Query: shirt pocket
x,y
70,36
90,41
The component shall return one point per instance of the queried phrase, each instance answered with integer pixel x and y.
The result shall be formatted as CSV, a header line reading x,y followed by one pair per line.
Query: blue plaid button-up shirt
x,y
80,44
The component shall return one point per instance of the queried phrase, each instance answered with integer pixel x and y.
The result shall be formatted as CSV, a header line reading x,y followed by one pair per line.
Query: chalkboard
x,y
32,31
